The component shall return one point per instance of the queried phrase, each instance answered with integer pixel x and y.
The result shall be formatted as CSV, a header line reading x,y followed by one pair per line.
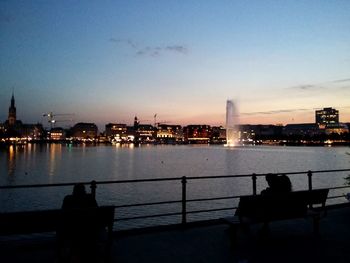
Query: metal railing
x,y
184,200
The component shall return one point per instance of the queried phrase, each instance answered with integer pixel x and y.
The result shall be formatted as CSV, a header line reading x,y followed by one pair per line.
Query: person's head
x,y
270,179
79,189
285,183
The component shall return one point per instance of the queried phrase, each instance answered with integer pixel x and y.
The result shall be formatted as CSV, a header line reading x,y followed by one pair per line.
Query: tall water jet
x,y
231,124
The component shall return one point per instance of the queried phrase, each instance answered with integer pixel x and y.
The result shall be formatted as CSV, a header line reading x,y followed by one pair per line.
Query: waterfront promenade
x,y
289,241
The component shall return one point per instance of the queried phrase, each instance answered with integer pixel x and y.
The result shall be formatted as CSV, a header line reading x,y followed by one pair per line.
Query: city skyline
x,y
107,62
323,116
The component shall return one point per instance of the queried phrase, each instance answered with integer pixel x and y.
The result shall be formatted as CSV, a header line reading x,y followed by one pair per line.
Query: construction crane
x,y
51,118
156,124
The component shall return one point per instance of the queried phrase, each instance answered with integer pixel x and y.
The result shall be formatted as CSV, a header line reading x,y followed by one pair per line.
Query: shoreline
x,y
281,143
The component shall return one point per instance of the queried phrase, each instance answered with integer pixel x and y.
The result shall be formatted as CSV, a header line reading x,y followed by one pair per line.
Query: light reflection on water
x,y
56,163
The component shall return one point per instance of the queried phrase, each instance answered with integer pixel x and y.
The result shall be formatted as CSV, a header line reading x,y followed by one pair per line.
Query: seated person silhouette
x,y
79,229
277,184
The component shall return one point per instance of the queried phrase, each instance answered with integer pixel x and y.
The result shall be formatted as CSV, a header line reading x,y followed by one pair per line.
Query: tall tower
x,y
136,123
12,112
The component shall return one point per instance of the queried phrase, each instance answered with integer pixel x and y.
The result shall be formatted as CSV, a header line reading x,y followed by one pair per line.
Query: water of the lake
x,y
56,163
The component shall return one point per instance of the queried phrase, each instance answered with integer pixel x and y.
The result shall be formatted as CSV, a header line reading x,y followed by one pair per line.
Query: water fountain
x,y
231,124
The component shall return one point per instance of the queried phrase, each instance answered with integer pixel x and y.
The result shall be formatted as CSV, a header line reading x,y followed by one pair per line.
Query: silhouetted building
x,y
116,129
259,131
218,135
83,130
118,132
326,116
337,128
197,133
309,129
247,132
2,130
57,134
169,133
144,133
32,131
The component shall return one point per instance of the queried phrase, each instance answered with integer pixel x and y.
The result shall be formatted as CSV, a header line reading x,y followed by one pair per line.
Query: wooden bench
x,y
267,208
63,222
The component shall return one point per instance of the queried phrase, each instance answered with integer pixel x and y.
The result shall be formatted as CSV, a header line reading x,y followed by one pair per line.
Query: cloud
x,y
128,42
340,80
323,85
275,111
177,48
151,51
304,87
160,50
286,111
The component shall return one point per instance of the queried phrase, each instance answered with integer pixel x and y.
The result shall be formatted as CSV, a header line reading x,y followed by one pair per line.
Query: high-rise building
x,y
327,116
12,112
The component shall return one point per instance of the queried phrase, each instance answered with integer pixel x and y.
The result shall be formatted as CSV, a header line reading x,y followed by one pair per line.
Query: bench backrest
x,y
51,220
281,206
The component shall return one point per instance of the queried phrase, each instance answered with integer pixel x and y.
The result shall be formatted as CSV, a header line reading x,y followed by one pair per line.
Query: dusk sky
x,y
105,61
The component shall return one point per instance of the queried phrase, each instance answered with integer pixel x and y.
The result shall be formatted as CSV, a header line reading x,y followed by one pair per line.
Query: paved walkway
x,y
289,241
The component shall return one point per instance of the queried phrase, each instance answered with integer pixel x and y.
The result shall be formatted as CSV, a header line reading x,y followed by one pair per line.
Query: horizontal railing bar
x,y
147,216
192,200
179,201
196,211
262,174
176,213
140,180
40,185
164,179
146,204
214,198
329,171
211,210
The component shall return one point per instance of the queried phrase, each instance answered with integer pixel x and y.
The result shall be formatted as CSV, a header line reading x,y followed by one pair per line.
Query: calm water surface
x,y
55,163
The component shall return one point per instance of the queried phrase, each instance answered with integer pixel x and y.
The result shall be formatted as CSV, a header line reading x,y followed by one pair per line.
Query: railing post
x,y
254,183
184,182
93,187
309,175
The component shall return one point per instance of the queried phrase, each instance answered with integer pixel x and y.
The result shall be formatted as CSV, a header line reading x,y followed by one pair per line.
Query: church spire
x,y
13,100
12,111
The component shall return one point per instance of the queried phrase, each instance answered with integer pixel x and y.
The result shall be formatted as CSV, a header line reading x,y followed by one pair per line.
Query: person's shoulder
x,y
67,201
266,191
68,197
